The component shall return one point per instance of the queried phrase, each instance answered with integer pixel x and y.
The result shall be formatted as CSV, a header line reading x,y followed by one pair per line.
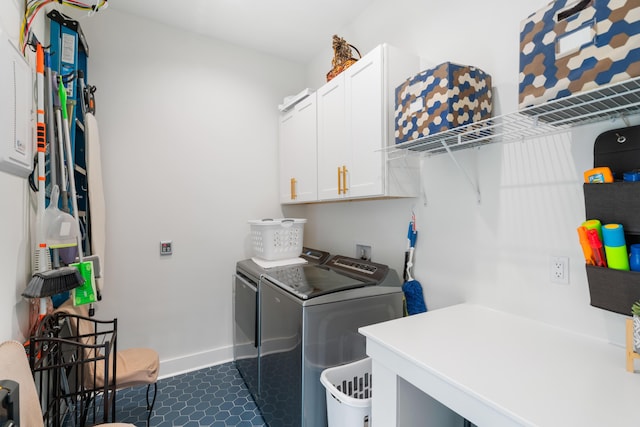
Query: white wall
x,y
497,252
188,129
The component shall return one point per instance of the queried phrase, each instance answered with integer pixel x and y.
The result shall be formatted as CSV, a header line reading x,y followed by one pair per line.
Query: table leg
x,y
384,403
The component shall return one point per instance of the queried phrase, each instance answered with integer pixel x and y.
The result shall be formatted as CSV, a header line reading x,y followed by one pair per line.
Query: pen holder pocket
x,y
617,202
613,290
614,203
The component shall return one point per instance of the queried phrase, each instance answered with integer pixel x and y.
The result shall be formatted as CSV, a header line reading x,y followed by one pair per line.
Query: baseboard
x,y
195,361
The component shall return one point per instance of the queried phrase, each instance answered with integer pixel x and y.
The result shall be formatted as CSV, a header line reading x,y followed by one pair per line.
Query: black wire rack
x,y
73,363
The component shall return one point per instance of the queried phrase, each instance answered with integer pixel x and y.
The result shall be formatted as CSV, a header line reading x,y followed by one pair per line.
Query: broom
x,y
45,282
412,288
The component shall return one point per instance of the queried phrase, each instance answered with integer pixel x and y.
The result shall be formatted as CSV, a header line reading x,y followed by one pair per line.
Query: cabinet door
x,y
365,117
298,153
333,141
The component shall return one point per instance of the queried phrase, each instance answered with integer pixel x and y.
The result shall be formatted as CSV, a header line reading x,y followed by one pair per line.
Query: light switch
x,y
166,247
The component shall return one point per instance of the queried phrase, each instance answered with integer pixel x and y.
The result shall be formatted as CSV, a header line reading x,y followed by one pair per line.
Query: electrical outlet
x,y
559,269
363,252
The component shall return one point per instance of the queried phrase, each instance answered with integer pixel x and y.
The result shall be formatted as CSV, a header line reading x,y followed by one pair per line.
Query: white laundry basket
x,y
275,239
348,389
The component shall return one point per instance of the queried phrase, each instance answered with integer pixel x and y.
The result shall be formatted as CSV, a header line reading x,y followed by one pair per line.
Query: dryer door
x,y
245,331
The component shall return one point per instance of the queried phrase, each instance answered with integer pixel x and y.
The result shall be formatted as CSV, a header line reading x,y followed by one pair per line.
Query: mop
x,y
86,293
412,288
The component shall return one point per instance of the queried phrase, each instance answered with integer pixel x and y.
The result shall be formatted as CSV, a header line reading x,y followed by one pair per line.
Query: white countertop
x,y
495,368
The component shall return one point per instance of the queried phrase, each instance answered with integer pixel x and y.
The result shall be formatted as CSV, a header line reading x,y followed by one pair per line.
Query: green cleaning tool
x,y
86,293
85,267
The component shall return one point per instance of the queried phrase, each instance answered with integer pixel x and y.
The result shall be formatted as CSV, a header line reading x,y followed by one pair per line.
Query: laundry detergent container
x,y
440,99
276,239
569,47
348,392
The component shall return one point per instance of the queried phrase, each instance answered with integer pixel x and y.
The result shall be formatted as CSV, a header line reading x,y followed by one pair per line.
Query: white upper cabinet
x,y
343,139
355,124
298,156
333,141
365,113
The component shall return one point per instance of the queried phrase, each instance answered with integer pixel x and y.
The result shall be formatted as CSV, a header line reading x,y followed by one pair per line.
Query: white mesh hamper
x,y
275,239
348,390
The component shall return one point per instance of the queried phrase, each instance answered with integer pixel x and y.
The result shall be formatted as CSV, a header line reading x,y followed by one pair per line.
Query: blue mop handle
x,y
412,235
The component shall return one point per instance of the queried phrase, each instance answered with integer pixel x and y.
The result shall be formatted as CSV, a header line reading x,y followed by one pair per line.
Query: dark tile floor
x,y
212,397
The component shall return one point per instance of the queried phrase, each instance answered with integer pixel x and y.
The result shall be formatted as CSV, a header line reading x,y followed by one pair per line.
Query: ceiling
x,y
296,30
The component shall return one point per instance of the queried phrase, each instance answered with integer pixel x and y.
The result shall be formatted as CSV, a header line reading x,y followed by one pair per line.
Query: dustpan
x,y
61,228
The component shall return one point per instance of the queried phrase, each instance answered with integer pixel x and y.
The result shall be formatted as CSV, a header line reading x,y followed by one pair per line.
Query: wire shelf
x,y
608,102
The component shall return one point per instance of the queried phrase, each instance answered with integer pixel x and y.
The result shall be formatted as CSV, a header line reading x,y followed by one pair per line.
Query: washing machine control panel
x,y
358,267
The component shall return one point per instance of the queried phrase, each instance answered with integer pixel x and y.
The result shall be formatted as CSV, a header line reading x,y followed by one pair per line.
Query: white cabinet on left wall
x,y
298,155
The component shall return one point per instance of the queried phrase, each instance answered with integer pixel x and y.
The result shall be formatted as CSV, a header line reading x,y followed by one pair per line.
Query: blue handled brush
x,y
412,288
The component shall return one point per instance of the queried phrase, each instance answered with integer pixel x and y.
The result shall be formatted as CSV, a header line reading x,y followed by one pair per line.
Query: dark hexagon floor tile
x,y
214,396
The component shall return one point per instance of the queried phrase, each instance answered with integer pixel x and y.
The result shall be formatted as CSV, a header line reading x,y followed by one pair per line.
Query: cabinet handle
x,y
339,181
293,189
344,179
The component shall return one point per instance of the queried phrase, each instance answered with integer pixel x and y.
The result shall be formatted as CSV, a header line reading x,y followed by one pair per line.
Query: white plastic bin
x,y
275,239
348,389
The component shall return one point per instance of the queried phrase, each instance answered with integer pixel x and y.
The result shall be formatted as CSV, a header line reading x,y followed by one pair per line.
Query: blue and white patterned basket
x,y
440,99
573,46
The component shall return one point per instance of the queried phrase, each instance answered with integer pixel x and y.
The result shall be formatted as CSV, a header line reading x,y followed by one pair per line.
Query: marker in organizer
x,y
595,225
589,257
615,246
634,257
596,246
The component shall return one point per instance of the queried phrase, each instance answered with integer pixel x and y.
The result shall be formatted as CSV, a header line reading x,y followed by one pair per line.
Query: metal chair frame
x,y
67,370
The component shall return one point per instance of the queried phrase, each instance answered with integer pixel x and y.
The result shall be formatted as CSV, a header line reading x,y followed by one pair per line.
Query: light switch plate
x,y
166,247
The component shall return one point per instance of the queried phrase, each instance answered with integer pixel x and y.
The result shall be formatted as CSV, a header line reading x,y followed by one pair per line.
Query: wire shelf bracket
x,y
474,184
611,102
